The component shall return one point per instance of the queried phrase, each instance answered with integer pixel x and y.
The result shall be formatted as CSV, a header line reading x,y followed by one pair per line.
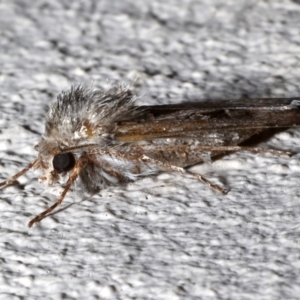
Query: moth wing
x,y
177,132
209,123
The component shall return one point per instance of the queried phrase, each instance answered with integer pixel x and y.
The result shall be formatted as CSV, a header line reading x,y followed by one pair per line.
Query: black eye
x,y
63,162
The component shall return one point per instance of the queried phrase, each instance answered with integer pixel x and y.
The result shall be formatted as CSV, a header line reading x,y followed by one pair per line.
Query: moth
x,y
97,138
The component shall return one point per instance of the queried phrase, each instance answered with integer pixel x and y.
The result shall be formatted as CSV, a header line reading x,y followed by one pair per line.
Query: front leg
x,y
74,174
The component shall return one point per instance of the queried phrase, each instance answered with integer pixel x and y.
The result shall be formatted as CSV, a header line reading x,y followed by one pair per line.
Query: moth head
x,y
55,162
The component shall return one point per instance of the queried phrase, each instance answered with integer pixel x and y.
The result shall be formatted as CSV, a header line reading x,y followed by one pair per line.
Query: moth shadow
x,y
263,137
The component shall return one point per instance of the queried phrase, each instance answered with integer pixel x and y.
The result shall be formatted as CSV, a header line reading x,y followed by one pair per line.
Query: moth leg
x,y
11,180
72,178
107,168
170,167
242,148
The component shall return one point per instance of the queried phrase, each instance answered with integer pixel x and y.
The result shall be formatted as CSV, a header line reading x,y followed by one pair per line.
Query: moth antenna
x,y
76,170
81,147
11,180
170,167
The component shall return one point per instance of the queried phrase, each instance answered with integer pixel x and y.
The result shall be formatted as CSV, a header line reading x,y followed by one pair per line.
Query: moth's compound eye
x,y
63,162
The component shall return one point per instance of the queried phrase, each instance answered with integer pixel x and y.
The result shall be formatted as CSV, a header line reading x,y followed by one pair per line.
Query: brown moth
x,y
98,138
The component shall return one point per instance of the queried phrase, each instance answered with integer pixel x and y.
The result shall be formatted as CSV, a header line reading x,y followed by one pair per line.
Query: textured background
x,y
169,236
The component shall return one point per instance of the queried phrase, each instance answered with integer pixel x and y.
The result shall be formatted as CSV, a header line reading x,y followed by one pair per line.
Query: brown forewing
x,y
173,133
